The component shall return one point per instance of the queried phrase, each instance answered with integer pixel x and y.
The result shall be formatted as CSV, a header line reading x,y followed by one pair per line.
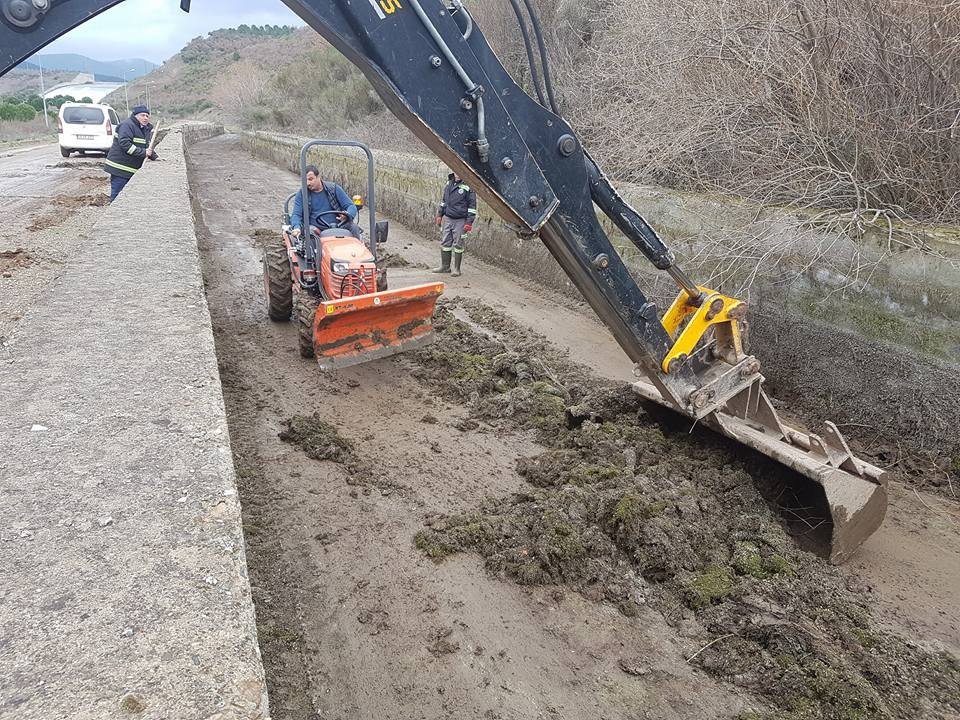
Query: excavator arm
x,y
432,66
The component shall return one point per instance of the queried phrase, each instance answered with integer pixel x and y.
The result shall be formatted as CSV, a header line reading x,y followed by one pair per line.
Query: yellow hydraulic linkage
x,y
688,321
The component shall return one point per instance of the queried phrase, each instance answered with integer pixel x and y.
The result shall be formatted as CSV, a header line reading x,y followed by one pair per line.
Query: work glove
x,y
467,228
439,220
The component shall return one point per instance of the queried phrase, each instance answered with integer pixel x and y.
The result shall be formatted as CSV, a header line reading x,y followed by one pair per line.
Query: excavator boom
x,y
435,71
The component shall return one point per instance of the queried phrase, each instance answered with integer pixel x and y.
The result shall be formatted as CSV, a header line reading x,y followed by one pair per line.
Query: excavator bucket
x,y
726,394
851,495
368,327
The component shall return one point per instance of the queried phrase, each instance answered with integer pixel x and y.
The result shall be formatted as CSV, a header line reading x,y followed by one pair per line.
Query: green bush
x,y
31,99
57,100
19,111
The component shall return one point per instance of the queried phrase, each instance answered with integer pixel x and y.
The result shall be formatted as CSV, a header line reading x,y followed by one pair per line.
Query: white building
x,y
84,85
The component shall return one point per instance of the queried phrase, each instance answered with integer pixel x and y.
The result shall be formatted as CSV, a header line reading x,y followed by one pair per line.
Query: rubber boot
x,y
444,262
457,259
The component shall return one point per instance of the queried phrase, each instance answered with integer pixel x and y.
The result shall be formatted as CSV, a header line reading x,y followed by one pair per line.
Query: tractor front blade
x,y
368,327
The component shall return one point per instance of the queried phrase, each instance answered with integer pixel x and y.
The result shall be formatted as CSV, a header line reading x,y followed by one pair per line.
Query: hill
x,y
270,77
24,80
103,70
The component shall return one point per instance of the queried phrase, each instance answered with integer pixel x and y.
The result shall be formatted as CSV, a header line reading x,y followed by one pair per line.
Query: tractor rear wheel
x,y
277,282
306,311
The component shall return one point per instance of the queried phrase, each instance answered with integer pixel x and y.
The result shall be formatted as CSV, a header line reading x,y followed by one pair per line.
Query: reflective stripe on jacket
x,y
129,148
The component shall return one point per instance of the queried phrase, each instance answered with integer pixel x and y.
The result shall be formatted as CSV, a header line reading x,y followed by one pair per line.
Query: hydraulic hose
x,y
534,77
474,90
544,62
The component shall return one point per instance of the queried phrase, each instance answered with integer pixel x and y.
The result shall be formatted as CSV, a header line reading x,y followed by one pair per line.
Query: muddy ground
x,y
46,204
432,535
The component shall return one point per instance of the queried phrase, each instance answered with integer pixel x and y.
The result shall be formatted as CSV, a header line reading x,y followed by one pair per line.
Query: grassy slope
x,y
294,83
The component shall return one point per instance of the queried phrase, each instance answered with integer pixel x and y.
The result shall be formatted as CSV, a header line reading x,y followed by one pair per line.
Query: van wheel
x,y
65,152
277,282
306,310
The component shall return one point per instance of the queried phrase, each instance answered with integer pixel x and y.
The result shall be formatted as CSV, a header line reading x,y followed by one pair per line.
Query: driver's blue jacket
x,y
320,203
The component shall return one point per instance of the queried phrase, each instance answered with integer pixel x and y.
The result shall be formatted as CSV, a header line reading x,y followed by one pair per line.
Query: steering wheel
x,y
339,223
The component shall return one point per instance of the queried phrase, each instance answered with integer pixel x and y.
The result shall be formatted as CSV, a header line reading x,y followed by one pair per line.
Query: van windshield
x,y
83,116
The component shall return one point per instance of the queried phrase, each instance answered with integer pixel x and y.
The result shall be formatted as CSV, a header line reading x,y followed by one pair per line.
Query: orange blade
x,y
367,327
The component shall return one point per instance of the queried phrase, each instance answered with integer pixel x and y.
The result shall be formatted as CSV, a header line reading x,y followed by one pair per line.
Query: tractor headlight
x,y
341,268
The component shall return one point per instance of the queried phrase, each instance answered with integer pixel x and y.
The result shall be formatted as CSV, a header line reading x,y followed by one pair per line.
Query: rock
x,y
633,666
105,521
440,642
130,703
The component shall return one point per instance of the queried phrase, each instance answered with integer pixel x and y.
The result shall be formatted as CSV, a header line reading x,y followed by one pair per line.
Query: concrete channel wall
x,y
855,318
125,590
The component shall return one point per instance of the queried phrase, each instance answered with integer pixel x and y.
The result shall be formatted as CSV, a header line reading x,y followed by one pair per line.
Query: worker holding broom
x,y
131,146
455,217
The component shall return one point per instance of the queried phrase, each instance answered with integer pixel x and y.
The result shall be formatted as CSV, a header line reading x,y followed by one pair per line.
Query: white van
x,y
85,127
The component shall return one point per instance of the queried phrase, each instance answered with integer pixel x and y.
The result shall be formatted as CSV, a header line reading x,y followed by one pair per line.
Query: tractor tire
x,y
277,283
306,310
64,152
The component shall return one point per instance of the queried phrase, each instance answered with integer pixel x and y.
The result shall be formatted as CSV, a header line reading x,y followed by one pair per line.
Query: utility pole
x,y
126,99
43,94
137,98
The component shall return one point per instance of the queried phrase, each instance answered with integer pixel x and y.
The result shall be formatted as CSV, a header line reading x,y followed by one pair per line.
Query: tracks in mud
x,y
354,620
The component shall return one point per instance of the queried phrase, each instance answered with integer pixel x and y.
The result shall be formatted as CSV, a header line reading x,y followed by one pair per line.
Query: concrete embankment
x,y
856,318
125,590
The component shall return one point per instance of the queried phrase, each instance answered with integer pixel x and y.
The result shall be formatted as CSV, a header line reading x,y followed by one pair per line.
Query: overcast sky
x,y
157,29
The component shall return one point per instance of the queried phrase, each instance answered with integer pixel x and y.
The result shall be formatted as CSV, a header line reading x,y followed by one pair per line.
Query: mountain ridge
x,y
104,70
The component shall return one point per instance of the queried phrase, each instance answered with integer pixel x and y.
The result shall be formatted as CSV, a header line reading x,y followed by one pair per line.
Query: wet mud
x,y
11,260
628,512
498,533
64,206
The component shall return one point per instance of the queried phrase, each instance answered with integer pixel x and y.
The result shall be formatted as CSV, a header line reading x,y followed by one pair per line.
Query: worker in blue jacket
x,y
330,206
129,149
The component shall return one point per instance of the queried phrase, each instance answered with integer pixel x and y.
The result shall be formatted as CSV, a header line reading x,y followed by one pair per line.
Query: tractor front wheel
x,y
306,311
277,283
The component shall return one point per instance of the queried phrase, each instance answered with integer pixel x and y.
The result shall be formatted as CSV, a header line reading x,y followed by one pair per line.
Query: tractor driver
x,y
330,206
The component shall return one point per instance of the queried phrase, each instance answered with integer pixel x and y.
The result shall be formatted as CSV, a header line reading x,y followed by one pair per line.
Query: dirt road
x,y
45,203
354,621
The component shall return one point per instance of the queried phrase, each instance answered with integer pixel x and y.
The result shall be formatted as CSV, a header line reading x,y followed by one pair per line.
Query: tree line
x,y
25,106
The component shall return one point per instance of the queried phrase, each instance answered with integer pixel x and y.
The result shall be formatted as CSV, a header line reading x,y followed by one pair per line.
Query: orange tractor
x,y
331,280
